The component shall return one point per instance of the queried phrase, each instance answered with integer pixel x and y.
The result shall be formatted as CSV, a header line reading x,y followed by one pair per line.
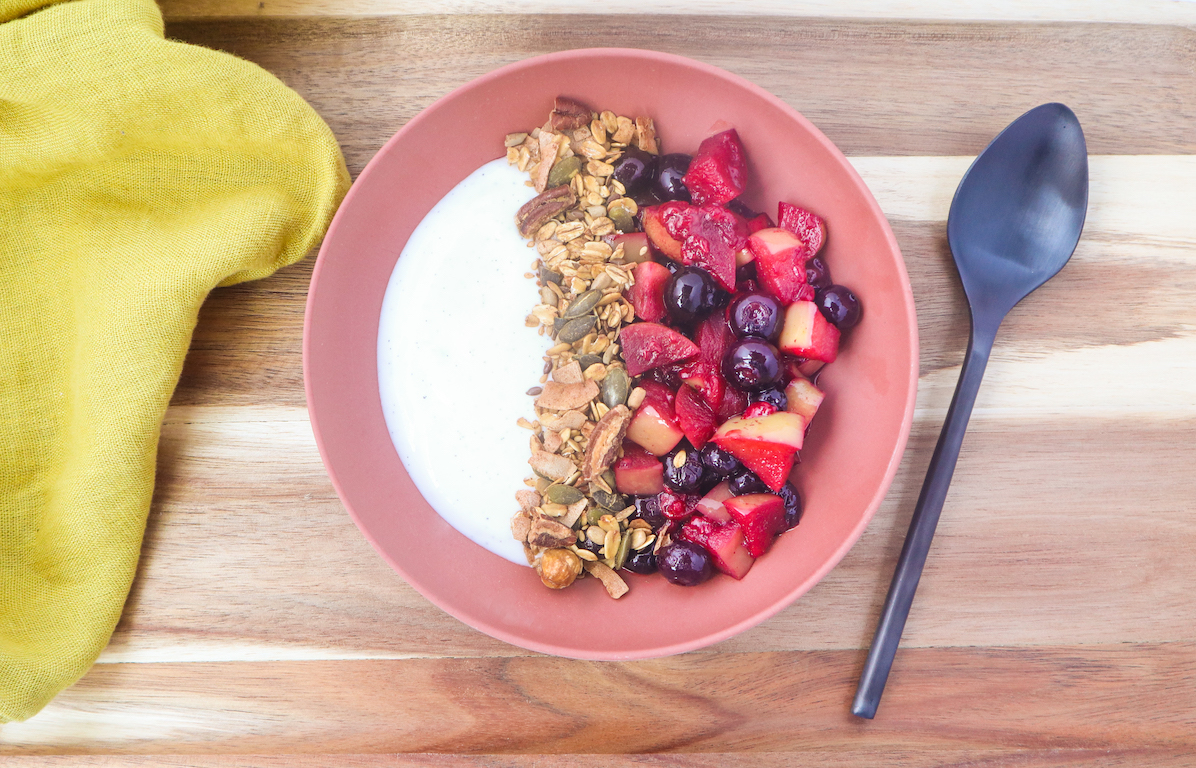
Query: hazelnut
x,y
558,568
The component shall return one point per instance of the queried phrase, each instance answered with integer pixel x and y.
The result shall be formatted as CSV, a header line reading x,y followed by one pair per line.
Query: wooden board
x,y
1053,623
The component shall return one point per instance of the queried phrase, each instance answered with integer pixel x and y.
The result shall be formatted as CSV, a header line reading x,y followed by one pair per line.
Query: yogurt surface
x,y
455,359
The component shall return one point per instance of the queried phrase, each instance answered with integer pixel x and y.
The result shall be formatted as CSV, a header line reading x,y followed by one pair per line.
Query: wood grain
x,y
1071,699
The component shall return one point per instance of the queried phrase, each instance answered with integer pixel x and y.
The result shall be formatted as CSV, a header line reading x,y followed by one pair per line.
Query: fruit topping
x,y
665,226
696,419
781,263
733,403
651,345
774,397
647,508
705,378
752,364
635,170
635,246
759,222
711,505
759,408
803,398
641,561
647,295
724,541
839,305
810,228
671,169
765,444
713,237
683,471
755,314
793,506
654,424
818,275
718,172
719,463
745,482
685,563
638,473
672,505
761,516
806,333
690,294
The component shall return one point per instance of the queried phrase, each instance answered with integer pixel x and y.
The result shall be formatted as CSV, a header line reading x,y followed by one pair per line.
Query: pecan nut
x,y
569,114
605,441
544,206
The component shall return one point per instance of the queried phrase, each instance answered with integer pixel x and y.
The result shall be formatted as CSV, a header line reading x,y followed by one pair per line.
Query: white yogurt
x,y
455,359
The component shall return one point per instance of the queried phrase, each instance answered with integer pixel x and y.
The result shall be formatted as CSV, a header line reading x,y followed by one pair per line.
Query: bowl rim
x,y
799,588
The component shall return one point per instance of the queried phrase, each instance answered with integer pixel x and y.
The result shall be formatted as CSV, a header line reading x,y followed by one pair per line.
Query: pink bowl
x,y
853,449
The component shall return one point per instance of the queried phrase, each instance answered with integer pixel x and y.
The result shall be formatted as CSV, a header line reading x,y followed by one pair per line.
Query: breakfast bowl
x,y
853,446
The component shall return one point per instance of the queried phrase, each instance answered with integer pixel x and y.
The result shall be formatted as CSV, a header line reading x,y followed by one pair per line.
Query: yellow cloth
x,y
136,174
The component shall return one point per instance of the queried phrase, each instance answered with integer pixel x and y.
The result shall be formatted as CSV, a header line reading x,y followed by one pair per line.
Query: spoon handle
x,y
921,527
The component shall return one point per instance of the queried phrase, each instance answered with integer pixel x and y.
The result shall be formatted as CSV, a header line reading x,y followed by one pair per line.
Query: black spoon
x,y
1014,223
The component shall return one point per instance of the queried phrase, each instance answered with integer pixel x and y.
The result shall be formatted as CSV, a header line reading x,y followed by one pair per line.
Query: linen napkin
x,y
136,174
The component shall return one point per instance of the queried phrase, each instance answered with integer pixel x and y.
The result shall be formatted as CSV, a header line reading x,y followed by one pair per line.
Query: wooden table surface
x,y
1056,620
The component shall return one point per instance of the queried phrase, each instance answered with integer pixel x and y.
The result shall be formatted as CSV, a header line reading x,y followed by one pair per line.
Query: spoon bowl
x,y
1014,222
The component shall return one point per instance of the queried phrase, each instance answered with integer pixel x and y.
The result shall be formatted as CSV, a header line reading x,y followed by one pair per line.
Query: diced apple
x,y
733,403
759,222
647,295
803,398
651,345
711,505
664,224
806,333
654,424
706,379
761,516
780,262
807,226
718,172
638,472
808,368
766,445
694,416
724,541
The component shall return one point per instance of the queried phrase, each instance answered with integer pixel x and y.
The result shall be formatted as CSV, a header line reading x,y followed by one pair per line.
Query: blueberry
x,y
672,266
647,508
668,375
755,314
690,294
839,305
774,397
688,477
793,505
741,208
635,170
685,563
817,273
752,365
747,482
670,169
641,561
719,462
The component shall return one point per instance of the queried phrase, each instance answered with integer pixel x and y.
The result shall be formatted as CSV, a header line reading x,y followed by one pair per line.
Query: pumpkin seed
x,y
621,218
563,494
615,387
582,305
585,361
609,502
563,171
576,329
594,514
548,276
621,553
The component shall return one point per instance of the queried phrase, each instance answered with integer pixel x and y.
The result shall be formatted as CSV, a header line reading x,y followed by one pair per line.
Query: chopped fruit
x,y
647,295
765,444
743,257
690,294
761,516
695,416
733,403
670,170
840,305
635,246
673,505
806,333
781,263
705,378
714,338
755,314
654,391
804,399
638,473
713,236
655,227
651,345
752,364
654,425
684,563
759,408
718,172
724,541
808,368
683,468
807,226
711,505
760,222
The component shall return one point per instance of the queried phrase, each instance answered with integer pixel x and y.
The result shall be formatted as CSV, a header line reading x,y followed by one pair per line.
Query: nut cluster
x,y
585,399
